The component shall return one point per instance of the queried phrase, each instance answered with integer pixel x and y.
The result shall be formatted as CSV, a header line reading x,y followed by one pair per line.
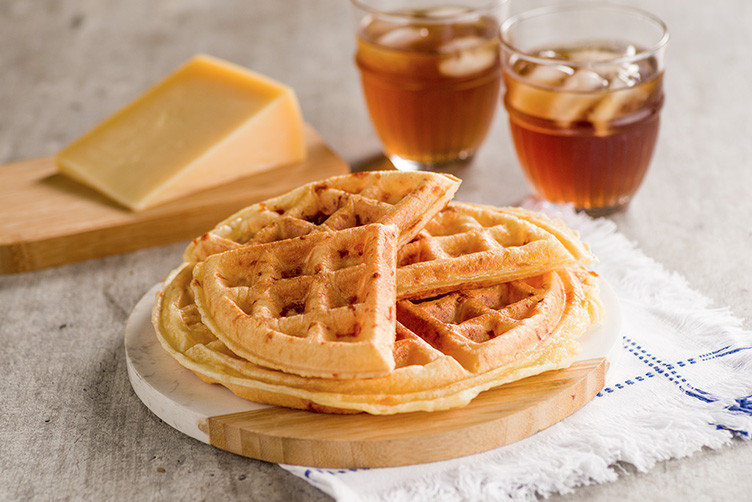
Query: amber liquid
x,y
590,148
431,89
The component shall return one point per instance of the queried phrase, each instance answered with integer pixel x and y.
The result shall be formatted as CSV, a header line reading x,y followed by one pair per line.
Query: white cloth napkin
x,y
682,382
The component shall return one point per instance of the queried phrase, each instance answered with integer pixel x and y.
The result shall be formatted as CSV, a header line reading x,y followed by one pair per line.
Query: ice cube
x,y
548,75
528,99
569,107
446,11
630,73
620,75
550,54
585,81
592,55
402,37
620,81
461,44
576,96
466,55
613,104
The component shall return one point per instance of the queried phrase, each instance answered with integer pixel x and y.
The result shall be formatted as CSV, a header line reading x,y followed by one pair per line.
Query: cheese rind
x,y
207,123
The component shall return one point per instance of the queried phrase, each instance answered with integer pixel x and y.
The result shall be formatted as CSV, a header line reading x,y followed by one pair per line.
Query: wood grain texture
x,y
495,418
47,219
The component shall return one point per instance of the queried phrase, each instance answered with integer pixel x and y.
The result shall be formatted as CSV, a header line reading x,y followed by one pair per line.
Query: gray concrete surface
x,y
71,427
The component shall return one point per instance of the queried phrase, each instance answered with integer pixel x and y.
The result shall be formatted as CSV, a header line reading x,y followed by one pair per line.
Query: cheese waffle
x,y
406,200
317,305
469,245
372,292
424,378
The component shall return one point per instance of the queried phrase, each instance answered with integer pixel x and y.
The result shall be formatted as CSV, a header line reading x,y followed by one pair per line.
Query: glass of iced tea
x,y
431,75
584,91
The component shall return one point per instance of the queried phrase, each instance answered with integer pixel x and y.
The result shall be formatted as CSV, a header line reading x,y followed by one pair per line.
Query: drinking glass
x,y
430,75
584,92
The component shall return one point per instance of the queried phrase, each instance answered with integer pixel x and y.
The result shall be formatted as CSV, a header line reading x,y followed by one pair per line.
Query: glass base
x,y
403,164
598,212
536,200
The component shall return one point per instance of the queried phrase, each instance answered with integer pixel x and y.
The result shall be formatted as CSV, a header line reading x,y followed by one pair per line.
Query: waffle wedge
x,y
406,200
493,326
468,245
317,305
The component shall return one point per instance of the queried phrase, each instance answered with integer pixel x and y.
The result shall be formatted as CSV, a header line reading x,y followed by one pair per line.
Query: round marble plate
x,y
191,406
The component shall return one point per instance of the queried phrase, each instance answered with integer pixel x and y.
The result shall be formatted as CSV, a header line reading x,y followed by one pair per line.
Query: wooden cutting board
x,y
495,418
47,219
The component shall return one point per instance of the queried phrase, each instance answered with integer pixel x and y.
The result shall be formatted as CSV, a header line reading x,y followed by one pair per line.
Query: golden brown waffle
x,y
369,292
424,378
317,305
406,200
468,245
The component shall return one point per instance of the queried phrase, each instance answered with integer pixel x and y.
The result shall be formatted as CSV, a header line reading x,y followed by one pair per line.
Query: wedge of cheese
x,y
207,123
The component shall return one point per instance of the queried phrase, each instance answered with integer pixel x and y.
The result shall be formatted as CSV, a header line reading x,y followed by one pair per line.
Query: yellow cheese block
x,y
207,123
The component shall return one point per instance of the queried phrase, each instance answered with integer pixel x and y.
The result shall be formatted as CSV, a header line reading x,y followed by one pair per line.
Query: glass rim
x,y
483,7
643,53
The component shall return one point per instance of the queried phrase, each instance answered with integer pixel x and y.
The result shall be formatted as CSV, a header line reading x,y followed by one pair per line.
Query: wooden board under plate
x,y
47,219
495,418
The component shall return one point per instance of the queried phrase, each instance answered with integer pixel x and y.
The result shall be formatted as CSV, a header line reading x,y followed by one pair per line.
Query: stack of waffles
x,y
375,292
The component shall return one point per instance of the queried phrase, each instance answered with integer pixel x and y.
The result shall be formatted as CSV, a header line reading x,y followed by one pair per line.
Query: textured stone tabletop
x,y
73,429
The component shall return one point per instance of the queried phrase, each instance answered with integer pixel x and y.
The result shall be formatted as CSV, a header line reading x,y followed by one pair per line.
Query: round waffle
x,y
372,292
424,378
